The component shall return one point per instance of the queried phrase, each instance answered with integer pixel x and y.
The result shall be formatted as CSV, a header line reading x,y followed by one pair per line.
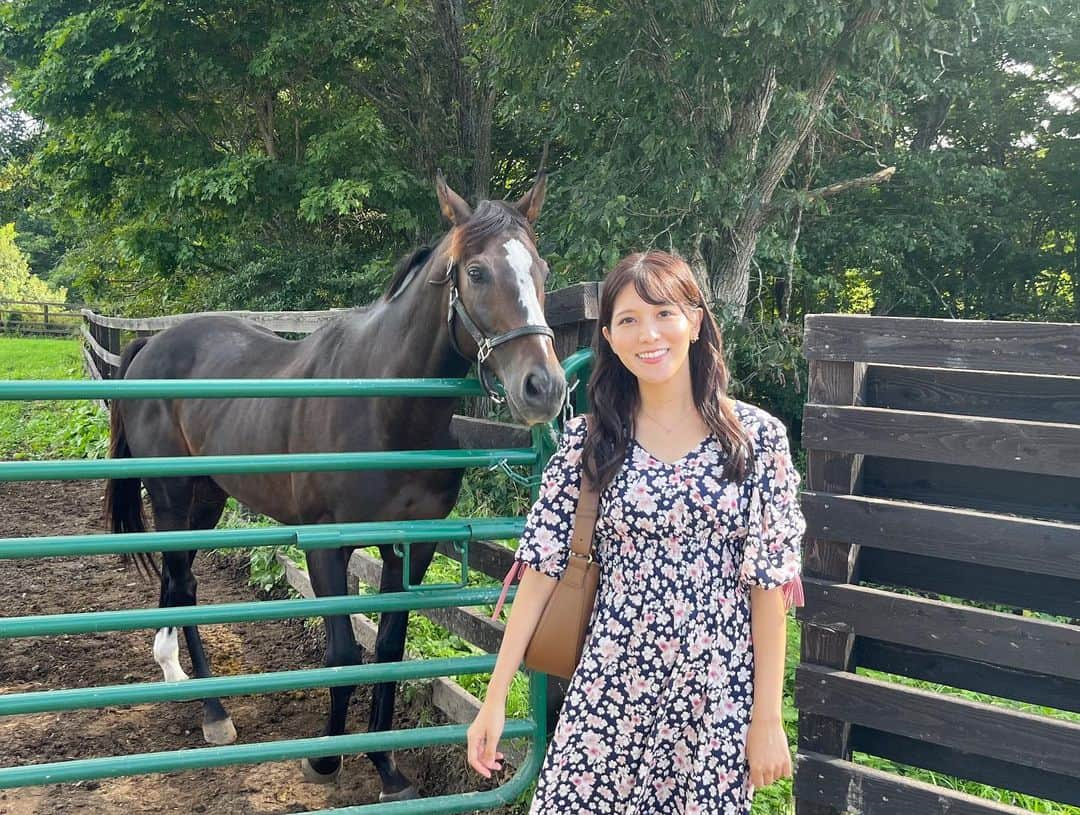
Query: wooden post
x,y
831,383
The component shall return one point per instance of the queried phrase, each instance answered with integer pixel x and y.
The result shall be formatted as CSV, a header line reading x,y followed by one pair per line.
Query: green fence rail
x,y
401,534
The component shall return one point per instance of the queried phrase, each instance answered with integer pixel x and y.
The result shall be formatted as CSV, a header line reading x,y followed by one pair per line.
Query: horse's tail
x,y
123,496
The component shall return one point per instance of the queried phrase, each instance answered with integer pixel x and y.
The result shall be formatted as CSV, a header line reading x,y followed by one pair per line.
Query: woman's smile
x,y
654,356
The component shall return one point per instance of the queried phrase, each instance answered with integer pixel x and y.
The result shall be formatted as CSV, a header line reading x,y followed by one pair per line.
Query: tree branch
x,y
830,190
871,180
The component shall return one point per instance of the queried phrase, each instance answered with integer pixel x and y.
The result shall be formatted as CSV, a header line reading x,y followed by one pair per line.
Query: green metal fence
x,y
401,534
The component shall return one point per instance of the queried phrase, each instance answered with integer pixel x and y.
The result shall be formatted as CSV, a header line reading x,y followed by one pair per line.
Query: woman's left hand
x,y
767,752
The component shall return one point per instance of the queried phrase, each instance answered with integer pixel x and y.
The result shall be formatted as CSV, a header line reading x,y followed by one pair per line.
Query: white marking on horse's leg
x,y
222,732
313,776
517,255
167,654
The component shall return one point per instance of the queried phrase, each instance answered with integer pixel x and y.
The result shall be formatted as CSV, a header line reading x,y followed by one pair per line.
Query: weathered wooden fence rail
x,y
39,318
943,477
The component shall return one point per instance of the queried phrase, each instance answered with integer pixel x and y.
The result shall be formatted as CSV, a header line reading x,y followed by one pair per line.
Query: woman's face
x,y
653,342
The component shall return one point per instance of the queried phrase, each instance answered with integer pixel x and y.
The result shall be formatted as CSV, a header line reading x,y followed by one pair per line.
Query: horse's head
x,y
497,280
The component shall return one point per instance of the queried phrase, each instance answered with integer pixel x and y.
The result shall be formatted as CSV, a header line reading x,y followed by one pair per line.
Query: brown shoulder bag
x,y
559,638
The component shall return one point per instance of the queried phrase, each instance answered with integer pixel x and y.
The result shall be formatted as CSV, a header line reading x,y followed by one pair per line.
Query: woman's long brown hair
x,y
659,278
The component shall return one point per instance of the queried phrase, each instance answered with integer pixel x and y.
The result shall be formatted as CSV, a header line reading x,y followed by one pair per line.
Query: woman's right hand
x,y
483,738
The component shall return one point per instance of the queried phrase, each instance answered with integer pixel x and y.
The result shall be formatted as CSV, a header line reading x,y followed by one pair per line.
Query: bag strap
x,y
588,507
581,543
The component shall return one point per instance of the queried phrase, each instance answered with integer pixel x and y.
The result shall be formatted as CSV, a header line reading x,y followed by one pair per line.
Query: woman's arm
x,y
767,750
532,596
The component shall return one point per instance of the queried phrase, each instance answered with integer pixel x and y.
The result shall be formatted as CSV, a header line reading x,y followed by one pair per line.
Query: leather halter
x,y
485,344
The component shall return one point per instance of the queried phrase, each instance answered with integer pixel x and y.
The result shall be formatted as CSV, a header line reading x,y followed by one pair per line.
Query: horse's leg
x,y
390,647
201,510
327,570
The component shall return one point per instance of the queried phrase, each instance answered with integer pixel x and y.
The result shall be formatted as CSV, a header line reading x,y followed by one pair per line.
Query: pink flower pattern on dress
x,y
655,718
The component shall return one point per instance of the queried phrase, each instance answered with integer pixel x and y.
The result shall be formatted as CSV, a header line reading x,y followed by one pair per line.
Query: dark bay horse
x,y
477,295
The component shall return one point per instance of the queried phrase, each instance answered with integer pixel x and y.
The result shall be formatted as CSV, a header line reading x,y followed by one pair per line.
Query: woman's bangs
x,y
659,286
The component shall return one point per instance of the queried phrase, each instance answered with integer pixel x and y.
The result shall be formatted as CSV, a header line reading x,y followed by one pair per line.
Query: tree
x,y
16,280
243,153
679,123
981,220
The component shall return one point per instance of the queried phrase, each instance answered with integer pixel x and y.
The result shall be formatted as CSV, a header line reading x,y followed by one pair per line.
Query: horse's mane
x,y
489,218
407,264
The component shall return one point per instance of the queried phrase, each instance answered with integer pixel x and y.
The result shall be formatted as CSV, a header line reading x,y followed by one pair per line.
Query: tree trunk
x,y
730,277
264,118
933,120
474,103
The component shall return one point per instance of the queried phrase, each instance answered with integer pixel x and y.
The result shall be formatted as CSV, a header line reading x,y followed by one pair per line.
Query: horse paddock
x,y
98,583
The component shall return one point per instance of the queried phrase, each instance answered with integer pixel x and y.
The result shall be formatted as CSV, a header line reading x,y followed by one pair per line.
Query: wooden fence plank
x,y
995,395
969,674
982,584
469,625
1004,541
1002,774
841,383
1004,639
486,557
298,322
484,434
572,304
1003,444
101,353
984,345
1046,744
1035,496
865,791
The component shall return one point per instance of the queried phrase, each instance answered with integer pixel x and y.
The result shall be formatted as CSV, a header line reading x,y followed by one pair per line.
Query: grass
x,y
72,429
48,430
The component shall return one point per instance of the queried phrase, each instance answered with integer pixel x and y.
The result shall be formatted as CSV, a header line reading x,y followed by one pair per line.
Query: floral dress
x,y
656,715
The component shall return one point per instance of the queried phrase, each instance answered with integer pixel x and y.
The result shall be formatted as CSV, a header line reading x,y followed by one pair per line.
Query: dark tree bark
x,y
934,116
264,118
474,102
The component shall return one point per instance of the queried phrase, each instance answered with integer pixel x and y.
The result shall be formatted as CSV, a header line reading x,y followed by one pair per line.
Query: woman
x,y
670,710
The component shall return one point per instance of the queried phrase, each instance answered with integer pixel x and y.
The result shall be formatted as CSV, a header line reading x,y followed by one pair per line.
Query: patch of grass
x,y
48,429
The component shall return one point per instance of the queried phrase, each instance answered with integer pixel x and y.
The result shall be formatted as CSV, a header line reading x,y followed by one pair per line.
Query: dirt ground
x,y
101,583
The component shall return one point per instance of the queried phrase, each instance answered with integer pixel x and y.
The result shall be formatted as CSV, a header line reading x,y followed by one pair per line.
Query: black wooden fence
x,y
943,505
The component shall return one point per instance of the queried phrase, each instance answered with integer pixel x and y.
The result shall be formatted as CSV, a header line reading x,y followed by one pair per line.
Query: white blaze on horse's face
x,y
167,654
520,260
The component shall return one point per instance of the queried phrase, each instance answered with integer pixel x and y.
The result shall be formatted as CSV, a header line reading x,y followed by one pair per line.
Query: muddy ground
x,y
102,583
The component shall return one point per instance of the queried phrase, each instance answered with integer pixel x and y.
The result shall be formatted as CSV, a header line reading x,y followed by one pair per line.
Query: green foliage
x,y
979,221
16,280
211,161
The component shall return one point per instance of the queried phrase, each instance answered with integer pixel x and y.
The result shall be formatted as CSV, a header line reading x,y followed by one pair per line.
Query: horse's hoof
x,y
406,794
219,732
314,776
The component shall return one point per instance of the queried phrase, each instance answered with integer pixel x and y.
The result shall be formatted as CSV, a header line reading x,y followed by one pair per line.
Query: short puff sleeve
x,y
773,553
545,543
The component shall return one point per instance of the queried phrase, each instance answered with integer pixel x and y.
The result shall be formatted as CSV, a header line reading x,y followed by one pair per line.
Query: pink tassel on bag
x,y
793,593
513,574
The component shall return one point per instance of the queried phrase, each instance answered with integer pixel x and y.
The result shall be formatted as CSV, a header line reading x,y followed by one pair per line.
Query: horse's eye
x,y
475,272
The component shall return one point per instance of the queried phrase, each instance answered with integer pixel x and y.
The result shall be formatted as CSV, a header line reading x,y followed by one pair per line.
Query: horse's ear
x,y
453,206
529,204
